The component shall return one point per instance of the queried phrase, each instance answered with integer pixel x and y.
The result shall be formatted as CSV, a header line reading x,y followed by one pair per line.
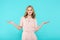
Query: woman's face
x,y
29,10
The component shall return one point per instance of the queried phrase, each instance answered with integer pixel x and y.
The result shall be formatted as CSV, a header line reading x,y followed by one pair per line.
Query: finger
x,y
48,22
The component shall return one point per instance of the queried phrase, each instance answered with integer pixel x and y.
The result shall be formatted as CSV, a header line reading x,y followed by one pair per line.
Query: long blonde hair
x,y
32,15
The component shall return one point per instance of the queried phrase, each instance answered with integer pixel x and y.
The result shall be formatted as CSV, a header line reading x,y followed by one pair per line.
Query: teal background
x,y
46,10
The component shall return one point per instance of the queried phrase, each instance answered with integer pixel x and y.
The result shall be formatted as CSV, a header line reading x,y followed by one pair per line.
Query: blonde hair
x,y
32,15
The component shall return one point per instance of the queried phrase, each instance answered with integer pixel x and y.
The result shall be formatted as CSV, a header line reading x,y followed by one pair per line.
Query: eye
x,y
31,10
28,10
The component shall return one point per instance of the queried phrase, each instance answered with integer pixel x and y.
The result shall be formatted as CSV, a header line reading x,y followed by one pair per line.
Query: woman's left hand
x,y
37,28
45,22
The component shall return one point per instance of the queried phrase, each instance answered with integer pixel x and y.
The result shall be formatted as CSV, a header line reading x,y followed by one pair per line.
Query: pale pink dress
x,y
28,29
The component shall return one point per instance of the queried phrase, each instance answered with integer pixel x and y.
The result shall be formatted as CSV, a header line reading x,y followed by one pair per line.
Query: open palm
x,y
10,22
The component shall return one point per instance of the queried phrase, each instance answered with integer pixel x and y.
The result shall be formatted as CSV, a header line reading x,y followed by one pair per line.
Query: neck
x,y
29,16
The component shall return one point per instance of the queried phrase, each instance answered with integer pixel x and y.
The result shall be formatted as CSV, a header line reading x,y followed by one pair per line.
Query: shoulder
x,y
22,17
35,19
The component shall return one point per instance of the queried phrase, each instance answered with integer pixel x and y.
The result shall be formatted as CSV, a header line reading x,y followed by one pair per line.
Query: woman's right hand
x,y
11,22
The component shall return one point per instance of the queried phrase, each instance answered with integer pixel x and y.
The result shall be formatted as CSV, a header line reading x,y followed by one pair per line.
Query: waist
x,y
28,31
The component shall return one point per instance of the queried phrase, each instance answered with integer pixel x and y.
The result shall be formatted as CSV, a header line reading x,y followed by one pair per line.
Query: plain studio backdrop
x,y
46,10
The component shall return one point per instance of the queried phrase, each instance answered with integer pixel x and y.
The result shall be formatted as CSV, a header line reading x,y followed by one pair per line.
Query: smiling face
x,y
29,11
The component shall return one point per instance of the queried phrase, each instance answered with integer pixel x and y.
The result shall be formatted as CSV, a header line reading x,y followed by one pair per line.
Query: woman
x,y
29,24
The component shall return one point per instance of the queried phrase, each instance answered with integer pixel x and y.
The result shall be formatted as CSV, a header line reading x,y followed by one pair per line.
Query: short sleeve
x,y
21,21
35,24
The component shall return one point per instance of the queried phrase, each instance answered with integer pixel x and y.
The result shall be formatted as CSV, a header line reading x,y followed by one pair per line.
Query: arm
x,y
17,26
37,28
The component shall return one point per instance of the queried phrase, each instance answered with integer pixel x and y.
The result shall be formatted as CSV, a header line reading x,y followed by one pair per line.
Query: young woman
x,y
29,24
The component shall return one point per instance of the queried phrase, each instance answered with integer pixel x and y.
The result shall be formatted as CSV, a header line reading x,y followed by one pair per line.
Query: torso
x,y
28,24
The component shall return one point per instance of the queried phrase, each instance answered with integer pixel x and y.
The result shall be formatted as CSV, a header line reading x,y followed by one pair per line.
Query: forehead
x,y
29,8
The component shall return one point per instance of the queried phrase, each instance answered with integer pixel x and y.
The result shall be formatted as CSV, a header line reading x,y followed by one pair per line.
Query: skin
x,y
29,11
